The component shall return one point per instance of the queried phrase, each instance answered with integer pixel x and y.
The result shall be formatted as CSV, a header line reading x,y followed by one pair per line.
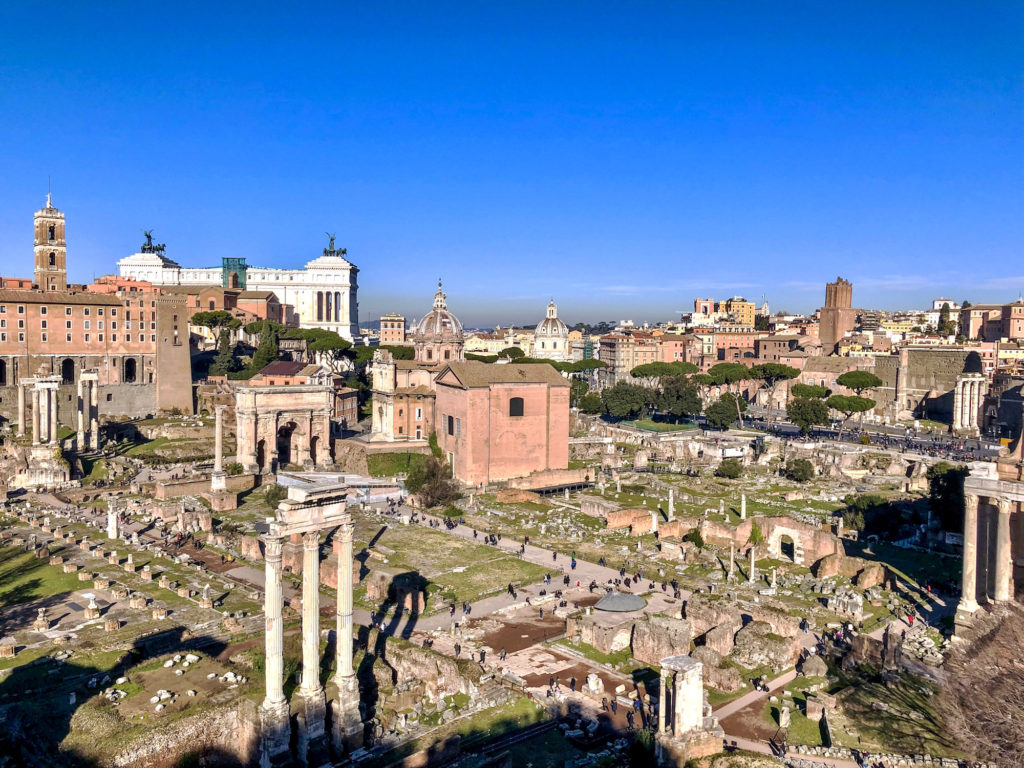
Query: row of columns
x,y
1002,566
43,393
967,398
88,435
44,409
681,698
274,712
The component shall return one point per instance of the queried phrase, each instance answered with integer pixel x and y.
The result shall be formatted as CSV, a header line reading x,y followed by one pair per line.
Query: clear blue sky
x,y
621,157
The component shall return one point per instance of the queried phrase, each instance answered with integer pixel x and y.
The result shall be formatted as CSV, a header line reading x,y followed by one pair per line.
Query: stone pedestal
x,y
312,741
275,734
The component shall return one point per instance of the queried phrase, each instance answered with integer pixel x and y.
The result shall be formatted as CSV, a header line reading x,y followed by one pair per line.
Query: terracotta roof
x,y
283,368
476,374
255,294
58,297
421,389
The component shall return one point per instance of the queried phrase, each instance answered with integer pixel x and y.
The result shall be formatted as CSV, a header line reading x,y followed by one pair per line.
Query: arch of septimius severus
x,y
281,425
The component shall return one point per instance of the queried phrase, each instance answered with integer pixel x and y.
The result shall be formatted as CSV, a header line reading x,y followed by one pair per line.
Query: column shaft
x,y
662,724
310,612
343,652
1004,565
80,407
53,414
21,410
94,414
273,608
968,581
35,416
218,456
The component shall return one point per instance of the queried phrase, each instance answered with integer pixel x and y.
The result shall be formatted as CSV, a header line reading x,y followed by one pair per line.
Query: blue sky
x,y
620,157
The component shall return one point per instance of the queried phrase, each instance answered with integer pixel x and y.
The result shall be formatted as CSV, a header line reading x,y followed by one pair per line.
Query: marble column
x,y
111,520
346,718
310,612
1004,565
743,506
275,728
753,566
94,414
314,707
35,416
671,504
662,723
80,406
968,581
52,397
21,410
732,560
218,481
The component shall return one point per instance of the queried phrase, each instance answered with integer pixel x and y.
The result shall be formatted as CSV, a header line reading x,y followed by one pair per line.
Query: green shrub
x,y
799,470
274,495
729,468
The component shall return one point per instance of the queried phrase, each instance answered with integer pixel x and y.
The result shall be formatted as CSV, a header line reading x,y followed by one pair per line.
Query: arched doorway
x,y
284,443
787,548
233,280
67,371
261,455
314,447
130,371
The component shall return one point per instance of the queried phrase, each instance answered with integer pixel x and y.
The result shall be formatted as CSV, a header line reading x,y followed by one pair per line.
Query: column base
x,y
275,735
312,741
219,481
346,719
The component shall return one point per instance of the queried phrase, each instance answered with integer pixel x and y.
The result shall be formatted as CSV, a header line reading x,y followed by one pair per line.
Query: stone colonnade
x,y
88,436
967,399
993,533
44,409
44,393
309,512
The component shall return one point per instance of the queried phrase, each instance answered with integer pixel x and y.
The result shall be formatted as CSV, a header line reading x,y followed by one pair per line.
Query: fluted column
x,y
969,578
80,406
662,723
94,415
1004,565
52,397
310,613
35,416
273,607
21,410
343,606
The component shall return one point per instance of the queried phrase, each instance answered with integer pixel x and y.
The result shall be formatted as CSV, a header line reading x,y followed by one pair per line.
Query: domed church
x,y
438,338
551,338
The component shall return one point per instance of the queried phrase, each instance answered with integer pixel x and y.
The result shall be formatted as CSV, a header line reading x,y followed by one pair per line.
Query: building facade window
x,y
515,406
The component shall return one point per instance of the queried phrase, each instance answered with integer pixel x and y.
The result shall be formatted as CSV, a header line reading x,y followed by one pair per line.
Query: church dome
x,y
439,324
551,337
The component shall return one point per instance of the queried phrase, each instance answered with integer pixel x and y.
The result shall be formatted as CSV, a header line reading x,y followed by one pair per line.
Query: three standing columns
x,y
998,563
44,409
88,437
347,727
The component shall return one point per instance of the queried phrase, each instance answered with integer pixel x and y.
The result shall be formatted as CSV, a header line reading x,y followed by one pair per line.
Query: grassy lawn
x,y
95,469
658,426
589,651
455,569
25,577
391,464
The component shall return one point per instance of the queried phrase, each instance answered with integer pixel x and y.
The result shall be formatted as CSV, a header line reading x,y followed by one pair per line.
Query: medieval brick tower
x,y
51,249
837,316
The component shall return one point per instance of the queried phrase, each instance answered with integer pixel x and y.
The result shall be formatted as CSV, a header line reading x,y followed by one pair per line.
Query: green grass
x,y
391,464
25,577
658,426
590,652
95,469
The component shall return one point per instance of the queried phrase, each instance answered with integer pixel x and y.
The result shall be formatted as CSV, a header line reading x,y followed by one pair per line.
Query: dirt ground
x,y
194,677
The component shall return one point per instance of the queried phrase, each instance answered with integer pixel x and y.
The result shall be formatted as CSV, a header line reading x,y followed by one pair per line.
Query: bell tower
x,y
51,272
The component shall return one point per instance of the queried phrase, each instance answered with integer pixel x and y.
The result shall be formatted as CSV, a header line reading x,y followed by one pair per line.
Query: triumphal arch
x,y
284,424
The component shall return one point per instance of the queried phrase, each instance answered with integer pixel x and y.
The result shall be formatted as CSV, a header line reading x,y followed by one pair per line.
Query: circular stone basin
x,y
620,602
